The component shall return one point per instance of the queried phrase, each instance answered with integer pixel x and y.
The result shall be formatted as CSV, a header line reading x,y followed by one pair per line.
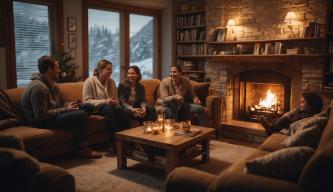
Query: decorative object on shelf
x,y
71,24
291,19
277,48
231,24
221,33
256,49
268,47
67,67
72,41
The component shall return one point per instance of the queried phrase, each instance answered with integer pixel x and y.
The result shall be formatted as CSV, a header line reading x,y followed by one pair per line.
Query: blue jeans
x,y
199,114
128,116
179,112
75,121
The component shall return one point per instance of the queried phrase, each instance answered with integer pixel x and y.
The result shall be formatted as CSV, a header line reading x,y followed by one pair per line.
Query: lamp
x,y
291,19
231,24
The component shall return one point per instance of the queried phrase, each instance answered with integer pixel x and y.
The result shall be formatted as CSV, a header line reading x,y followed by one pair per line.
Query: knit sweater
x,y
94,92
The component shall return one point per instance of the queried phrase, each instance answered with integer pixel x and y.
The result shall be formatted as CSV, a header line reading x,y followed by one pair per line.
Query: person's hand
x,y
137,112
197,101
143,110
111,101
179,99
74,105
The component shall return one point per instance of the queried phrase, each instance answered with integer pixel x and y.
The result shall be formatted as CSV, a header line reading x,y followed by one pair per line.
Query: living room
x,y
246,59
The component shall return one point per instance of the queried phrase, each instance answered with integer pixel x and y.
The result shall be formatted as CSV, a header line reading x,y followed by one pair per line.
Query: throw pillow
x,y
306,137
286,164
318,120
201,90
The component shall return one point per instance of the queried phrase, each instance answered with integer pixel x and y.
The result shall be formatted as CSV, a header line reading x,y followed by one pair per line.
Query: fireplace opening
x,y
261,92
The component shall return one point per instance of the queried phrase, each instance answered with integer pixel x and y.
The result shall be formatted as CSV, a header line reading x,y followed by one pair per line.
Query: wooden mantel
x,y
271,58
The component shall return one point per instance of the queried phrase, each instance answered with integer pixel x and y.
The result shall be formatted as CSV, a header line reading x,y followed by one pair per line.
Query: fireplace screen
x,y
262,99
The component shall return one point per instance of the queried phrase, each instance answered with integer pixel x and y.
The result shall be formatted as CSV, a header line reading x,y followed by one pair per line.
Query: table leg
x,y
121,157
205,150
172,161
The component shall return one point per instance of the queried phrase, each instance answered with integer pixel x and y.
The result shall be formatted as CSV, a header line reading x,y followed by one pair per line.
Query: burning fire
x,y
269,101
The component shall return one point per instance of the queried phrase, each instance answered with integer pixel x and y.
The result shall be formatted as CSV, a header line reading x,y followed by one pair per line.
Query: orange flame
x,y
269,101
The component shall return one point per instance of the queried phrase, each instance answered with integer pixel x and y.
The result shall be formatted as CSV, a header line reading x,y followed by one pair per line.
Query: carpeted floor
x,y
102,175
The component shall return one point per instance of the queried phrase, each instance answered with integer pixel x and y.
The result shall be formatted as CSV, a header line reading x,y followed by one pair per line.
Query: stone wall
x,y
262,20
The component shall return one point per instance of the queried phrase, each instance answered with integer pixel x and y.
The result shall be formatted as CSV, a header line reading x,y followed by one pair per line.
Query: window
x,y
104,40
32,38
141,44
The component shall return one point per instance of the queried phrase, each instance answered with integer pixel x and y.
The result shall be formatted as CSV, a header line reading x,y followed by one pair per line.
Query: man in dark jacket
x,y
44,107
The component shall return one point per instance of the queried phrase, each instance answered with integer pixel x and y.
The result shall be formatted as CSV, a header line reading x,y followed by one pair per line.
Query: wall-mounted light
x,y
231,24
291,19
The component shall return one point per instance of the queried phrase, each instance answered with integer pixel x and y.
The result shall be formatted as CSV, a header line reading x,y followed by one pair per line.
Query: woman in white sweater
x,y
101,92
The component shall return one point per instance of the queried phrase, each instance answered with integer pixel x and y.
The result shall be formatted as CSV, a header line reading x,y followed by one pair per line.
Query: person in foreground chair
x,y
310,104
133,97
43,106
178,98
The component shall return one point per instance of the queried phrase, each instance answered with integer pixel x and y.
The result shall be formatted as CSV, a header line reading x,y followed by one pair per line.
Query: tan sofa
x,y
46,143
316,175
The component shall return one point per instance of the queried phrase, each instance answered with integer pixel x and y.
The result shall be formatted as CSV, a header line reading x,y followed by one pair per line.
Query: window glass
x,y
32,38
104,40
141,44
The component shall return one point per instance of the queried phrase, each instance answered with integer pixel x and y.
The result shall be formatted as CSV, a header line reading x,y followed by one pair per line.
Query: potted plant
x,y
67,67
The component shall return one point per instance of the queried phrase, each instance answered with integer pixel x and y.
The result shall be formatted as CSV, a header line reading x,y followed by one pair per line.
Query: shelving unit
x,y
328,76
191,38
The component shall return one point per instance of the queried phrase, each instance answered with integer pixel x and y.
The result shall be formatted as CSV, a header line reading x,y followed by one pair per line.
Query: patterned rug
x,y
102,175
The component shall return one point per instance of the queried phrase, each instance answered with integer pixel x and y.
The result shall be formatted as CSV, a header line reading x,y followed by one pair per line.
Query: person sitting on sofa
x,y
178,98
310,104
44,107
133,97
100,90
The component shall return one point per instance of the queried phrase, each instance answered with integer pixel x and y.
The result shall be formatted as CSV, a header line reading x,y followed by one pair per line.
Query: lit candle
x,y
148,130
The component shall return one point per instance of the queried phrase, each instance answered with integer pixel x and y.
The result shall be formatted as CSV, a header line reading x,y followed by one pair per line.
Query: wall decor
x,y
220,34
72,41
71,24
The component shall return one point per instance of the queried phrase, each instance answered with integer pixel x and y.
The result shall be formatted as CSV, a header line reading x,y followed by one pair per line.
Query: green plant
x,y
67,66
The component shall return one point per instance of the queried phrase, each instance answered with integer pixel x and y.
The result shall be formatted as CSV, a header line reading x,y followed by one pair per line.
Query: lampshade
x,y
290,17
231,23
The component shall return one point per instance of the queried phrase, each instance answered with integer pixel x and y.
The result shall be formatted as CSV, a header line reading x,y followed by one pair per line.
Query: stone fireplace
x,y
260,92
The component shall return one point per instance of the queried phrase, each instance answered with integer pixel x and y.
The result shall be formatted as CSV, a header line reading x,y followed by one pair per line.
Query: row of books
x,y
191,35
192,20
191,49
313,30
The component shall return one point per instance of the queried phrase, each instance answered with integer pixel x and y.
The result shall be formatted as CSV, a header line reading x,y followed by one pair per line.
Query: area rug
x,y
102,175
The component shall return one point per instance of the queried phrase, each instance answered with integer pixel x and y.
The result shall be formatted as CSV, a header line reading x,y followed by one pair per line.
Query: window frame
x,y
56,33
125,11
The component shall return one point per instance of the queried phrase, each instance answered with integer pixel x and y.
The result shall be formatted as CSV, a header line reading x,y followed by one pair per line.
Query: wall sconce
x,y
291,19
231,24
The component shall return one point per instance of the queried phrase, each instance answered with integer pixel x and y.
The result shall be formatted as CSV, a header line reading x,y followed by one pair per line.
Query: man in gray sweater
x,y
44,107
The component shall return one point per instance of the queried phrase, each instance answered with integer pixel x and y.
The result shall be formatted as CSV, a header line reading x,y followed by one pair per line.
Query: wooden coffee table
x,y
174,147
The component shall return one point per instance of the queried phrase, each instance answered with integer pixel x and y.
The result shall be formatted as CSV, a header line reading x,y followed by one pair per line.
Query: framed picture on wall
x,y
72,41
71,24
220,34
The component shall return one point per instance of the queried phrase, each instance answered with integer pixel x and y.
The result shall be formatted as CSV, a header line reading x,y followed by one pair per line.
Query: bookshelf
x,y
190,25
328,76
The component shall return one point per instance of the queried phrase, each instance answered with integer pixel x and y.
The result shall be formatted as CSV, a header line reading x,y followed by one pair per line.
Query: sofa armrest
x,y
232,182
53,179
214,104
186,179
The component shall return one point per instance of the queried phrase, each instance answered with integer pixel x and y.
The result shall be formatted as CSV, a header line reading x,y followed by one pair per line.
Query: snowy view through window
x,y
32,39
141,47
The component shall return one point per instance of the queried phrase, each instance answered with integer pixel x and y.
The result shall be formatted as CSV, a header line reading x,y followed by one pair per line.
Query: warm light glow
x,y
269,101
231,23
290,17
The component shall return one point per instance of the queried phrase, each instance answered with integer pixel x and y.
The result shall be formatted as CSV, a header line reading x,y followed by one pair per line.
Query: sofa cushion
x,y
151,87
286,164
318,120
305,137
34,138
71,91
273,142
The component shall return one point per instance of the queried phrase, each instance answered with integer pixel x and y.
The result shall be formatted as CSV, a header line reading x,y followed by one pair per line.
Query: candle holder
x,y
168,124
147,127
185,126
160,121
156,129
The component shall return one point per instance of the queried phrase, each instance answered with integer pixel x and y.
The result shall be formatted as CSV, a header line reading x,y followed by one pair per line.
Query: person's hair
x,y
100,66
178,67
314,101
137,70
44,63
